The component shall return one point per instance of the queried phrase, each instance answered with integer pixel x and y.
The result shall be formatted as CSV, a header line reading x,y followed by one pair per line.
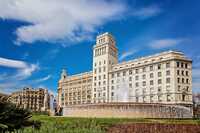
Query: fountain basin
x,y
129,110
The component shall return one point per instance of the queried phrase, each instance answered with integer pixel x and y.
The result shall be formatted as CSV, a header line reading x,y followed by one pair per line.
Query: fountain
x,y
122,92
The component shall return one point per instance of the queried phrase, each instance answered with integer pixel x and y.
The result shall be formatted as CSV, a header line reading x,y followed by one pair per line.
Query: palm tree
x,y
13,118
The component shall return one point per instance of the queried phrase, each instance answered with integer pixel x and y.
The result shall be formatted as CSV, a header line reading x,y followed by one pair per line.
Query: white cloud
x,y
8,87
147,12
127,54
27,72
12,83
71,20
12,63
24,69
165,43
58,20
43,79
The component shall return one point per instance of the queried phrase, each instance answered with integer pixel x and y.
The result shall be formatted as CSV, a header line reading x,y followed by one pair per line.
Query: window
x,y
95,64
130,72
136,84
104,68
151,82
130,78
168,73
99,69
136,77
159,74
124,73
168,80
112,88
159,66
104,76
136,71
182,64
99,63
144,69
104,82
144,76
99,77
168,98
104,62
183,80
159,89
186,65
95,78
112,81
167,65
112,94
99,83
144,83
118,74
151,68
159,81
183,97
113,75
178,80
178,72
151,75
179,87
187,88
186,73
177,64
182,72
130,85
187,81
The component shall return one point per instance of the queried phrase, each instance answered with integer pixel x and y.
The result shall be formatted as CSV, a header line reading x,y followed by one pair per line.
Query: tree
x,y
13,118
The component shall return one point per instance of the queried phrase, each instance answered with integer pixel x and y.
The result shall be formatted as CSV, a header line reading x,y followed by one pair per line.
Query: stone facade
x,y
33,99
160,78
129,110
76,89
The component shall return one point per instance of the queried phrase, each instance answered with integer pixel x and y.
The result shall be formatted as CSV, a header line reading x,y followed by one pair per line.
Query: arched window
x,y
183,97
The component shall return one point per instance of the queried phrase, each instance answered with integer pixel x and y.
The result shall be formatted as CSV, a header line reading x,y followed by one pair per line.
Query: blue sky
x,y
38,38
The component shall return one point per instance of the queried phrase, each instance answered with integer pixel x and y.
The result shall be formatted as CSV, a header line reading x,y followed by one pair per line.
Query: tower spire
x,y
63,74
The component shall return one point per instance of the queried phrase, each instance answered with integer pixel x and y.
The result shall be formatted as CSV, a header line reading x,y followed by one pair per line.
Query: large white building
x,y
161,78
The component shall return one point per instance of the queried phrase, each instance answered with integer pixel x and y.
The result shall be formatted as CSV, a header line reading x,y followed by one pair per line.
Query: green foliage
x,y
60,125
13,118
90,125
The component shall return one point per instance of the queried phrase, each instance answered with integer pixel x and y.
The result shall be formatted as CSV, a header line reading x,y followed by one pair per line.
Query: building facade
x,y
76,89
160,78
33,99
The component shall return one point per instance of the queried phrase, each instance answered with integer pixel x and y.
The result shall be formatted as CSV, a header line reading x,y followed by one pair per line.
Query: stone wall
x,y
129,110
